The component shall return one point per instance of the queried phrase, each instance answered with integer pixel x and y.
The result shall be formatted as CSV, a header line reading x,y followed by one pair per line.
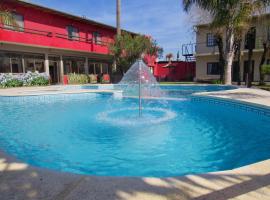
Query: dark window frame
x,y
97,38
210,40
16,25
73,33
213,68
251,35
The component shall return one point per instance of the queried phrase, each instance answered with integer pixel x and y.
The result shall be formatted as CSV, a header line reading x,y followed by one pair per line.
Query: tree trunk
x,y
265,50
229,55
118,17
238,53
250,74
219,42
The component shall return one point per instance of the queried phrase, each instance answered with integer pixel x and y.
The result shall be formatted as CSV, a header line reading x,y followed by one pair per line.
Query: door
x,y
16,65
54,72
235,71
246,70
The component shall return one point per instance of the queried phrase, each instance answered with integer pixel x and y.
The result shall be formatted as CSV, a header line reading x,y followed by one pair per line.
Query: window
x,y
91,68
16,64
210,40
97,38
213,68
73,33
16,22
74,65
105,68
10,63
4,63
34,63
250,38
98,68
81,68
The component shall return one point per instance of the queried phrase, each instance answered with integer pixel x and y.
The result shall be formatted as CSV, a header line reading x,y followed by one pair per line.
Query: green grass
x,y
264,87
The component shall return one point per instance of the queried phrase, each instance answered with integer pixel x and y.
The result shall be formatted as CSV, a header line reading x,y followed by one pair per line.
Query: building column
x,y
61,69
86,68
47,68
23,65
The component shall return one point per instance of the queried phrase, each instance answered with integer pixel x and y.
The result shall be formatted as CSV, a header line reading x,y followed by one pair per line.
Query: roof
x,y
173,61
75,17
205,24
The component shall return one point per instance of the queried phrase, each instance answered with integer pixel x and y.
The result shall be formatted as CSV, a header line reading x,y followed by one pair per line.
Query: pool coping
x,y
19,180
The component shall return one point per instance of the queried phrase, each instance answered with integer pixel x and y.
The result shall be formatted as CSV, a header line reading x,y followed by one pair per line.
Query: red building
x,y
174,71
46,40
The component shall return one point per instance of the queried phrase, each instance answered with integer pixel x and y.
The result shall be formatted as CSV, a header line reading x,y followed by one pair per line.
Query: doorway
x,y
246,70
54,70
235,71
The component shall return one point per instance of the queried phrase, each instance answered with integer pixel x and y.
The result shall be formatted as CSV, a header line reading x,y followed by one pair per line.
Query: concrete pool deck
x,y
19,181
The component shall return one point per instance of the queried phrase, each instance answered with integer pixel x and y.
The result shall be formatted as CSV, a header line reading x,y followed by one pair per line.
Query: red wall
x,y
178,71
43,20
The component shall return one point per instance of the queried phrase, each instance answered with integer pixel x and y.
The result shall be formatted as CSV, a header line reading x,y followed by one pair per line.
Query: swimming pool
x,y
70,133
174,91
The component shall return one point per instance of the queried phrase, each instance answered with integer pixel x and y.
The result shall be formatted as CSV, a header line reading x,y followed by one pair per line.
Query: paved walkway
x,y
20,181
255,96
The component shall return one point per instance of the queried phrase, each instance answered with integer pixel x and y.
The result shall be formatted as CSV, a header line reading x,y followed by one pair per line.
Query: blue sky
x,y
162,19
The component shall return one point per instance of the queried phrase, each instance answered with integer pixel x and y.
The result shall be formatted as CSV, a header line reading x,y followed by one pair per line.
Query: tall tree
x,y
250,45
127,49
264,41
231,15
238,44
118,17
220,44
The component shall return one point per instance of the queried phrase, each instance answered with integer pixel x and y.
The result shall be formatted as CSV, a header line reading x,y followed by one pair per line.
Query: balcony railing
x,y
25,30
202,48
81,39
51,34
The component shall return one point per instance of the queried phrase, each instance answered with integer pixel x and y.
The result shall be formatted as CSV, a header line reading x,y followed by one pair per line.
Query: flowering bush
x,y
27,79
93,78
78,79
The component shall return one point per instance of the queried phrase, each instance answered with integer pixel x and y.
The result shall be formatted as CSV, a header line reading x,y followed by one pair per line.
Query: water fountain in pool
x,y
139,83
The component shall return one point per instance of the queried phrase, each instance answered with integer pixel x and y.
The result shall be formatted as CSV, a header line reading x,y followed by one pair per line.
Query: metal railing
x,y
51,34
191,49
82,39
25,30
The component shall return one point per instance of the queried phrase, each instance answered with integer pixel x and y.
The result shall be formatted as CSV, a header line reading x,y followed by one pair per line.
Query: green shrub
x,y
216,82
40,81
105,78
93,78
13,83
266,69
78,79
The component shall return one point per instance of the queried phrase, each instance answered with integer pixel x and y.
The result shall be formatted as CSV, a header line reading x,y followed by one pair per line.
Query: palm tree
x,y
169,57
220,44
250,44
118,17
264,39
230,15
6,16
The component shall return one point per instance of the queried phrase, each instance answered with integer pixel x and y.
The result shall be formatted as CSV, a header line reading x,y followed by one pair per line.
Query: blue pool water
x,y
174,91
97,134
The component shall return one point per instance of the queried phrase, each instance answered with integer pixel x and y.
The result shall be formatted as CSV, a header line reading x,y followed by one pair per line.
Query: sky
x,y
164,20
